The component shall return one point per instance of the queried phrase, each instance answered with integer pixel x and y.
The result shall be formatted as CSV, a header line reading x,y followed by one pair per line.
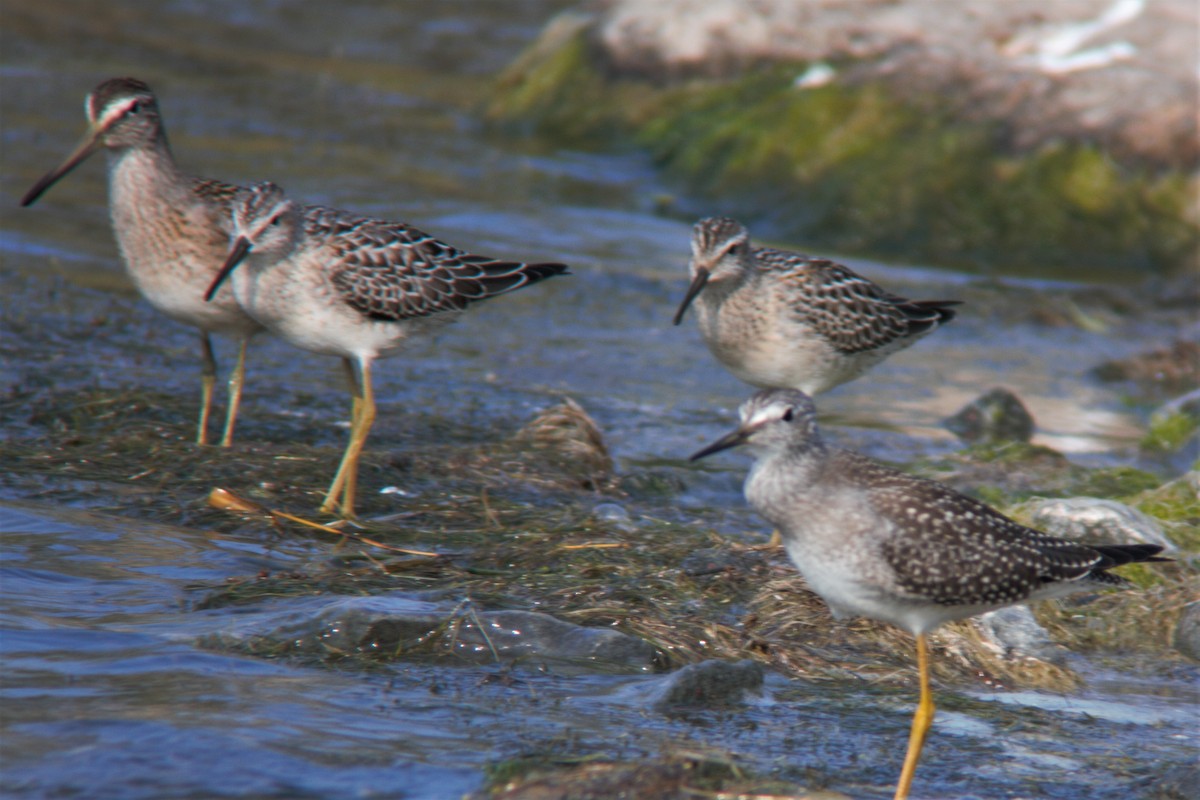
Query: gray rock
x,y
995,416
1015,631
1187,632
707,684
1092,519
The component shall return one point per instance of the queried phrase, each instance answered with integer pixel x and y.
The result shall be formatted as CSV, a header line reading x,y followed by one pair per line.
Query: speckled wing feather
x,y
391,271
954,550
846,309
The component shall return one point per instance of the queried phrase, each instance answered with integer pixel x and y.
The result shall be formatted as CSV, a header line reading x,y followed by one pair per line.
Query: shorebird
x,y
334,282
875,542
172,229
783,320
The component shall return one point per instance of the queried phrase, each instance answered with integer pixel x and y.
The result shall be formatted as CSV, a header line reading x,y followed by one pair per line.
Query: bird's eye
x,y
136,108
788,415
275,220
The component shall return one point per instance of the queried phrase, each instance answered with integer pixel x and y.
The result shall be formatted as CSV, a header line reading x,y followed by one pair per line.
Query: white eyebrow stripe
x,y
767,413
115,112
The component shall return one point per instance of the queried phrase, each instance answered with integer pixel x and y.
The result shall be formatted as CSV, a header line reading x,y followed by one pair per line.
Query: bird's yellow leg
x,y
339,479
355,394
236,379
333,497
776,540
208,380
922,719
366,418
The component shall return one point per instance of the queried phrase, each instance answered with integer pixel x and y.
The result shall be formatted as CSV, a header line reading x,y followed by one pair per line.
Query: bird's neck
x,y
146,173
785,473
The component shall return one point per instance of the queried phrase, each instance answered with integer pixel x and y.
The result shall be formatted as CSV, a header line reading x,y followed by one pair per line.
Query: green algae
x,y
554,87
857,168
1115,482
1170,432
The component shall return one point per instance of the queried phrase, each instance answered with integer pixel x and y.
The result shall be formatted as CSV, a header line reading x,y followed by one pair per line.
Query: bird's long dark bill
x,y
724,443
85,148
241,249
693,290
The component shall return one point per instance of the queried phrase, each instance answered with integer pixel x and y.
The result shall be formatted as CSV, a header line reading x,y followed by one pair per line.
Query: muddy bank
x,y
1052,140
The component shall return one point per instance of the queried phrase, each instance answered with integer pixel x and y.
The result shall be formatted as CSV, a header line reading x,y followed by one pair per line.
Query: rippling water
x,y
107,689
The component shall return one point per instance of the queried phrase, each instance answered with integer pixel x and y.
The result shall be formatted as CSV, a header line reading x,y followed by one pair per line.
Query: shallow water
x,y
109,689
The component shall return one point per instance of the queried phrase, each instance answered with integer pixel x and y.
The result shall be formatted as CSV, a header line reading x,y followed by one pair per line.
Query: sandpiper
x,y
783,320
172,229
875,542
334,282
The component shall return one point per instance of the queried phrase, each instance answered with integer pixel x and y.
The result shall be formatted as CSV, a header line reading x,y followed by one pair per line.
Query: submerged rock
x,y
393,626
704,685
995,416
1093,519
1016,632
521,635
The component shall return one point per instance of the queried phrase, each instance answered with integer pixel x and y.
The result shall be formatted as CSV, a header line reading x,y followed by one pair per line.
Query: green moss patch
x,y
1170,432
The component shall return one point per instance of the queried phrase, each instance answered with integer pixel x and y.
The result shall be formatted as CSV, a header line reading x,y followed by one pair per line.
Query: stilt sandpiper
x,y
333,282
172,229
783,320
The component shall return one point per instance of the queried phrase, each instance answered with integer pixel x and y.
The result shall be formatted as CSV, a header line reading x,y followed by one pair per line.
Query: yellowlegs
x,y
783,320
172,229
875,542
333,282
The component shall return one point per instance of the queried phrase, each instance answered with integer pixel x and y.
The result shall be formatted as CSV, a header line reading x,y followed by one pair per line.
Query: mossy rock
x,y
857,168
